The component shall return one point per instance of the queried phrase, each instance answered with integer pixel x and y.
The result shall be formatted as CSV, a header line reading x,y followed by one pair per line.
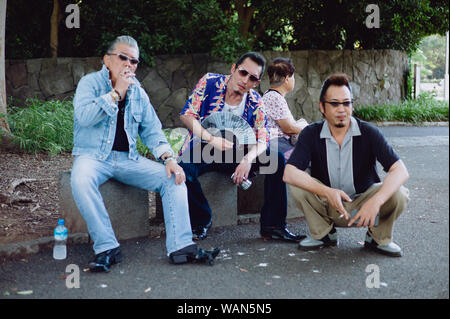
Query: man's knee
x,y
81,181
400,198
190,170
299,194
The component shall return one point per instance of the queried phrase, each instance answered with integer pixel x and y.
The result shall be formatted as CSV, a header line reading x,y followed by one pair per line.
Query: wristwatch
x,y
169,158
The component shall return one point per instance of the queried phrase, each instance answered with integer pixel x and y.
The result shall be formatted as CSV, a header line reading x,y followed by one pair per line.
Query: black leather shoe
x,y
105,260
281,234
193,253
201,232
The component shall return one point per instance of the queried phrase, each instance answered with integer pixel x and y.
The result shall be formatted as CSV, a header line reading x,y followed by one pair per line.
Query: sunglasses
x,y
336,104
243,72
124,57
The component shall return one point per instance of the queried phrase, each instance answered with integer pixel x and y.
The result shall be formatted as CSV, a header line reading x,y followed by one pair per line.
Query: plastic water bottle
x,y
60,248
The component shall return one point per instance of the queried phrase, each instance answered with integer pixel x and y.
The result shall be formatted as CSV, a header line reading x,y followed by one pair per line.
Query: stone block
x,y
221,194
16,74
56,79
251,201
127,207
222,197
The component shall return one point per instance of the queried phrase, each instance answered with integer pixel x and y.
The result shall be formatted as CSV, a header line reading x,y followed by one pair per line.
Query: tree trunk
x,y
245,15
54,26
3,119
6,138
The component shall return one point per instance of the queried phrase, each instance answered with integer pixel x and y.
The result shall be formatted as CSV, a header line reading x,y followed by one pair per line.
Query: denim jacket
x,y
95,117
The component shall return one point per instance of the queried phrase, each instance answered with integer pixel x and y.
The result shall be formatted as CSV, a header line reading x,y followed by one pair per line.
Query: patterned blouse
x,y
208,97
276,108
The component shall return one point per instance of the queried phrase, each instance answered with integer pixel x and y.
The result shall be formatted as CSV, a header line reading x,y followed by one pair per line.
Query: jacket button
x,y
108,142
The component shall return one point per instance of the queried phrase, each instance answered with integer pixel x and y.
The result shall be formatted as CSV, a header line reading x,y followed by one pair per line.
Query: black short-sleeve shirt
x,y
369,147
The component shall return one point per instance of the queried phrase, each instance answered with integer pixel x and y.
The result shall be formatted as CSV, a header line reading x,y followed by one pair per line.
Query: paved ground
x,y
250,268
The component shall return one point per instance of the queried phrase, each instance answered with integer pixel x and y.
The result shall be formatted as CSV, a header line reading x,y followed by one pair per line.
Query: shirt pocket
x,y
136,119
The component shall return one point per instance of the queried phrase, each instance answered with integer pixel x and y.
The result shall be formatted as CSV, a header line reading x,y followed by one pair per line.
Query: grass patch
x,y
47,127
174,136
42,126
423,109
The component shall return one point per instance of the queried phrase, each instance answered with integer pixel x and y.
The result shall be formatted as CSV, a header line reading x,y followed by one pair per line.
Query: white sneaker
x,y
391,249
329,240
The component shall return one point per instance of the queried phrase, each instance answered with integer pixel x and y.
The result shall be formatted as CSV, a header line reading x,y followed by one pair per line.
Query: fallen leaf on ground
x,y
25,292
148,289
243,269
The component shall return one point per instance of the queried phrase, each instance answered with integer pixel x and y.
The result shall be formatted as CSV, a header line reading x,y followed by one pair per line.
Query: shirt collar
x,y
353,130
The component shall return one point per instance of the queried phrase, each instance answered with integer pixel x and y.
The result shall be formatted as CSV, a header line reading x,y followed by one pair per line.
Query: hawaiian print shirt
x,y
209,96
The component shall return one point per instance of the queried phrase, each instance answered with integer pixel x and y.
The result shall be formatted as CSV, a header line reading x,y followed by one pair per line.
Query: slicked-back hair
x,y
126,39
280,69
255,57
337,79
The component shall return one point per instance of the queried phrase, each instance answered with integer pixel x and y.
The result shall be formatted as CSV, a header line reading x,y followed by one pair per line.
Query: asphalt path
x,y
250,268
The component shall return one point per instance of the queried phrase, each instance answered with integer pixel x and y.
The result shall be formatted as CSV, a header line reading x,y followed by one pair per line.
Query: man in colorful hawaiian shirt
x,y
233,93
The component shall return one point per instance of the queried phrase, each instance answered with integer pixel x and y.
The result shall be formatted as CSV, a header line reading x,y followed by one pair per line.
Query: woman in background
x,y
284,129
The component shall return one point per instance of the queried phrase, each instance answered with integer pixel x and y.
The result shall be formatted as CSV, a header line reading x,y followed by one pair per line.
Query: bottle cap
x,y
60,221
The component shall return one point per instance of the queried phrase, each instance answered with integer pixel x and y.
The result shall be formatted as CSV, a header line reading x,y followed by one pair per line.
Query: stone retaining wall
x,y
378,76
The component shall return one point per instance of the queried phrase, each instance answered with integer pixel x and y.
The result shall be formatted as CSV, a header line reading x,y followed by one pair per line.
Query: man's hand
x,y
334,198
366,214
242,170
220,143
173,168
123,80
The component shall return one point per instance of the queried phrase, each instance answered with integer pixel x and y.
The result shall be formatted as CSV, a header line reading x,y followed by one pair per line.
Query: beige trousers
x,y
321,217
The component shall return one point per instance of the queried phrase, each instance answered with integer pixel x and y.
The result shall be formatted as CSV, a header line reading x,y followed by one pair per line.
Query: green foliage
x,y
340,24
159,26
224,28
431,56
30,39
174,138
229,43
42,127
47,127
423,109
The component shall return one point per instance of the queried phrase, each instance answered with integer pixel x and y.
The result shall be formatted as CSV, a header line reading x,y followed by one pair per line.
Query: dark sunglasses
x,y
243,72
336,104
123,57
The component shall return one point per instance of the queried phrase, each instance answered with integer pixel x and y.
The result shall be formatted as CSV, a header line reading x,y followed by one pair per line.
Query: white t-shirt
x,y
238,109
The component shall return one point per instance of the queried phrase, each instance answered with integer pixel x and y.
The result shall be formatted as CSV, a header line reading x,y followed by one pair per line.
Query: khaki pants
x,y
321,217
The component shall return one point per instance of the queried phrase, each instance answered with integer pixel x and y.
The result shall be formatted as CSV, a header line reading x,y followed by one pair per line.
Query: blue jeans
x,y
89,173
274,210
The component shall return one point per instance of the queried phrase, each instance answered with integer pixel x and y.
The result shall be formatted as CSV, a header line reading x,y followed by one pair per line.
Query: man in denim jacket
x,y
110,110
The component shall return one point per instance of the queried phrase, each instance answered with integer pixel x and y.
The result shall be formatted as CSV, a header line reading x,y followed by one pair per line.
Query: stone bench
x,y
250,201
220,192
127,206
